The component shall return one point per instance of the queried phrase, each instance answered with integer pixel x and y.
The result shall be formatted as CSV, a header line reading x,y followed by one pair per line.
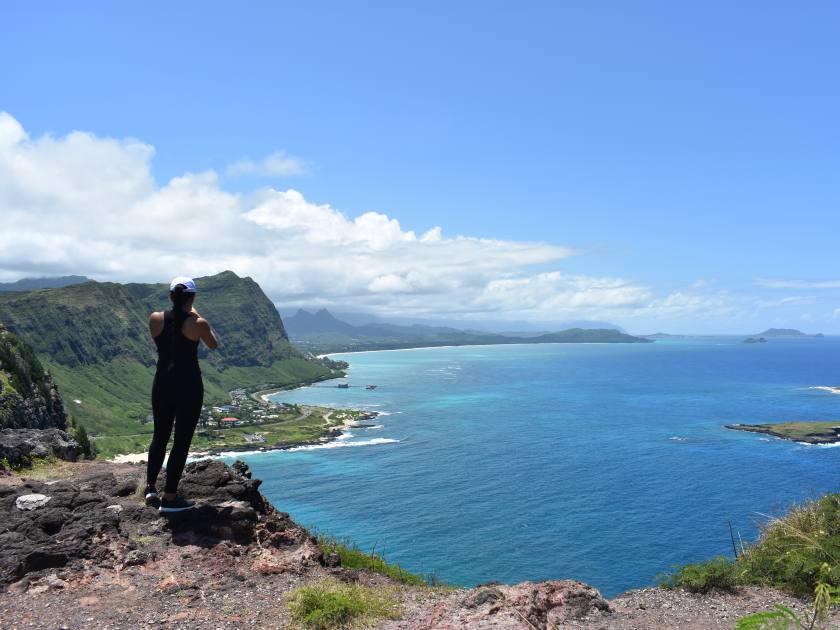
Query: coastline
x,y
261,395
331,434
477,345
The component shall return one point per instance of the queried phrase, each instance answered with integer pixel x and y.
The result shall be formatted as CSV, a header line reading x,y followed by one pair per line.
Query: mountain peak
x,y
320,321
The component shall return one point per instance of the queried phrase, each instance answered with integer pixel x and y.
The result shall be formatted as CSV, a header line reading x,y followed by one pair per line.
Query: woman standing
x,y
177,391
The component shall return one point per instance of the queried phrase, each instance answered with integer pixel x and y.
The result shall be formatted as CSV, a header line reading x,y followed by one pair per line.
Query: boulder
x,y
28,502
19,446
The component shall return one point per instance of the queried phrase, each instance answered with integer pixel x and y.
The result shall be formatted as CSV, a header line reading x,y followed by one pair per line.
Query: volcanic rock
x,y
19,446
89,522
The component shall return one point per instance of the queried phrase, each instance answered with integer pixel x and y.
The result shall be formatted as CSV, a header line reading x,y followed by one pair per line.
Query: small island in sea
x,y
754,340
787,333
807,432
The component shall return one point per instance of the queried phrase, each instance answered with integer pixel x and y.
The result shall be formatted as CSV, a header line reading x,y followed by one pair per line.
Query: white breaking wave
x,y
341,443
825,388
199,456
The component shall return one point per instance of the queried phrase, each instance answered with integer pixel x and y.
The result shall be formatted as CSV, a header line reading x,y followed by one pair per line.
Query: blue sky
x,y
687,153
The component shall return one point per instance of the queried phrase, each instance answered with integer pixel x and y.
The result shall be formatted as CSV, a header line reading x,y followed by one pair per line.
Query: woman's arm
x,y
208,335
205,331
155,324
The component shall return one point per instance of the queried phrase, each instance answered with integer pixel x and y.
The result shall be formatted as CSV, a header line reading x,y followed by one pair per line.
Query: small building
x,y
230,422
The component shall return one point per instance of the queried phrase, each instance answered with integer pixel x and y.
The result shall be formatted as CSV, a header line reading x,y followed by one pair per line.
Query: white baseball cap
x,y
189,285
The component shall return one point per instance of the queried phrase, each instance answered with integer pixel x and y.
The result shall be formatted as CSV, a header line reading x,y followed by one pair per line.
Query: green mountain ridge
x,y
95,322
28,284
93,338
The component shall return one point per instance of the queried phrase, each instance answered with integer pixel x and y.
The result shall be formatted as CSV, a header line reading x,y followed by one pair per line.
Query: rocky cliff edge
x,y
82,550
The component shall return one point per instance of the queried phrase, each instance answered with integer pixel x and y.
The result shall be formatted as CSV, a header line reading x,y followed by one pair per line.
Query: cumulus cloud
x,y
278,164
90,205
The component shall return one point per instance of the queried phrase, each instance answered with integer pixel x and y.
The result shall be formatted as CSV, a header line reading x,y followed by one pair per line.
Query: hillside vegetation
x,y
93,338
28,397
796,553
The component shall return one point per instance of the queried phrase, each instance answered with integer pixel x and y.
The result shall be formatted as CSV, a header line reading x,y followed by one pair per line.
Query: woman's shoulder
x,y
156,323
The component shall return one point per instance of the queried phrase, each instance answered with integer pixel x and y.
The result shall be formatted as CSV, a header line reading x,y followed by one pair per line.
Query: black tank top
x,y
180,355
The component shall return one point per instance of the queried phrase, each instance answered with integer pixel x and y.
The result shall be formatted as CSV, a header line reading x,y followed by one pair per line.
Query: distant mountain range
x,y
29,284
499,326
322,332
770,333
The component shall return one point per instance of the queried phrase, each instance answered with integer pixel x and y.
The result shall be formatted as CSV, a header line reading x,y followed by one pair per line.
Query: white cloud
x,y
278,164
90,205
560,293
771,283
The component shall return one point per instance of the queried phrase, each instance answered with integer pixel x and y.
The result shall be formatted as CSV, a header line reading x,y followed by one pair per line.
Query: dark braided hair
x,y
179,297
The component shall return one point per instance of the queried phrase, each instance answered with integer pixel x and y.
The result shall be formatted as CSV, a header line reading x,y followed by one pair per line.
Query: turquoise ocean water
x,y
604,463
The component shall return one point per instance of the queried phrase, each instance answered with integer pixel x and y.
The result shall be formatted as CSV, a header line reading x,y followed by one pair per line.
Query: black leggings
x,y
176,399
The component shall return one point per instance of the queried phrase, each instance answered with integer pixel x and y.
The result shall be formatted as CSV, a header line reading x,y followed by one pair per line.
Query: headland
x,y
804,432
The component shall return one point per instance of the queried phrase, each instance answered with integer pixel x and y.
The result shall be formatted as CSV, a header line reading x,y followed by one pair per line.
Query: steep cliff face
x,y
28,397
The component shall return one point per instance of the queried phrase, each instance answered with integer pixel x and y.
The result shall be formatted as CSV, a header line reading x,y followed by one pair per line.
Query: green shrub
x,y
718,574
78,431
331,604
797,551
354,558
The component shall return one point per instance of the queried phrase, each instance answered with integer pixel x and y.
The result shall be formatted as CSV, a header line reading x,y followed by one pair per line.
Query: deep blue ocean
x,y
606,463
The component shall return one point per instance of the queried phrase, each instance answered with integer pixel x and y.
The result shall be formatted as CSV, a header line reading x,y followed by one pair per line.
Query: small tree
x,y
82,438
